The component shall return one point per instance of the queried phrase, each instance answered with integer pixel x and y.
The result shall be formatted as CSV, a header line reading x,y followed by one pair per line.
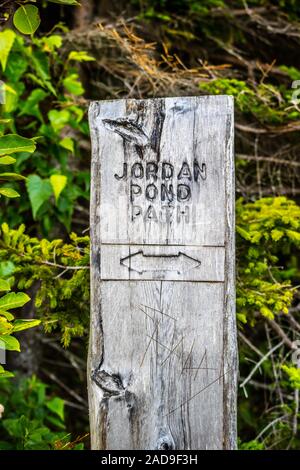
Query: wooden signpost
x,y
163,355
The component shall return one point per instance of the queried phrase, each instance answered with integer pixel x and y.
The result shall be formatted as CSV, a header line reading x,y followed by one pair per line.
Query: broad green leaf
x,y
4,285
7,160
80,56
39,191
40,62
56,405
13,300
9,342
6,268
11,177
11,143
31,105
59,119
17,65
9,192
20,325
67,143
27,19
73,84
52,42
7,38
12,97
58,183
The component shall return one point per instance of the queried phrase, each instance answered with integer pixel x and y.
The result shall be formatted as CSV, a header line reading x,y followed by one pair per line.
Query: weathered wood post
x,y
163,354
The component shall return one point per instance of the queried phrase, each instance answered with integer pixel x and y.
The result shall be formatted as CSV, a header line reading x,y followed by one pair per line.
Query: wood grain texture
x,y
163,357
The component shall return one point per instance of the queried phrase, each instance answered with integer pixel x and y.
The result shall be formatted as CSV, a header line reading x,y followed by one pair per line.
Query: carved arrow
x,y
143,263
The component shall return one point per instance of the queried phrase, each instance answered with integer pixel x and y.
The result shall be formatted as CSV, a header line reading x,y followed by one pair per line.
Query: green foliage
x,y
8,324
10,144
27,19
161,9
266,228
43,98
32,419
251,445
61,272
7,38
293,375
265,102
39,191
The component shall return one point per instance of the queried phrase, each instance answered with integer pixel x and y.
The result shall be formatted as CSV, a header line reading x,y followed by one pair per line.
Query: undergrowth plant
x,y
10,145
60,270
43,98
33,418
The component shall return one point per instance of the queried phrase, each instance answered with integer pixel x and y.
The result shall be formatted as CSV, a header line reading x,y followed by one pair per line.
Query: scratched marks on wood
x,y
159,372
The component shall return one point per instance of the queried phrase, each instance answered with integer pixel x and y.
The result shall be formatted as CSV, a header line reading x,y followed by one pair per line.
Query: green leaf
x,y
11,143
27,19
73,84
16,65
4,285
4,374
52,42
9,192
294,236
13,300
6,268
11,177
58,183
80,56
7,160
31,106
266,312
9,316
67,143
56,405
243,233
20,325
40,62
5,327
10,343
7,38
277,234
59,119
39,191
